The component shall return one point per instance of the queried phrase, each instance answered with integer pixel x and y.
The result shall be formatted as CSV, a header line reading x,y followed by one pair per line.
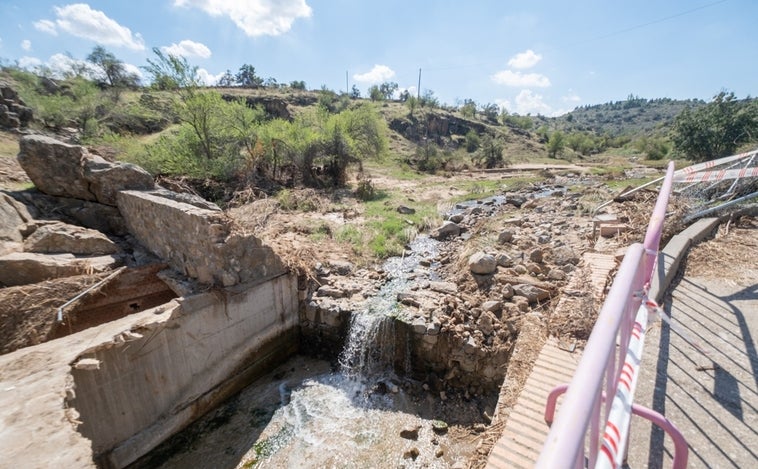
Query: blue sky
x,y
539,56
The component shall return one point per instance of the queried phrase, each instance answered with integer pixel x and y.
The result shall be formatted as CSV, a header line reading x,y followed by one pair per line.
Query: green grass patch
x,y
488,188
386,231
392,168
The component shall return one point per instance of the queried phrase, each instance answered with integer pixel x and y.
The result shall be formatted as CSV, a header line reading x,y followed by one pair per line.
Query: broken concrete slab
x,y
203,244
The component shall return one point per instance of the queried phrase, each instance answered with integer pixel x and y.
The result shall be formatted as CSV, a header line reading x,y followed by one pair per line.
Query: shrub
x,y
472,141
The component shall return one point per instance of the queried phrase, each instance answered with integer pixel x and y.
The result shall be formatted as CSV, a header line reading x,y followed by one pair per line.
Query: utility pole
x,y
418,90
347,85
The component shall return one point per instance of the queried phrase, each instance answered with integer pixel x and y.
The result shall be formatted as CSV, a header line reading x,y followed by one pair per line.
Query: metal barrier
x,y
608,370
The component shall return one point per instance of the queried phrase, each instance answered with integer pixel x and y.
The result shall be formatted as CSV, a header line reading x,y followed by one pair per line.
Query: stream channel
x,y
310,413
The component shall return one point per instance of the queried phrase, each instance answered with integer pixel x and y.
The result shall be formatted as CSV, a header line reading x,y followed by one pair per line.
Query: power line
x,y
597,38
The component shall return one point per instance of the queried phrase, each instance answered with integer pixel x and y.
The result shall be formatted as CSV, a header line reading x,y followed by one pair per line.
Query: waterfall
x,y
377,346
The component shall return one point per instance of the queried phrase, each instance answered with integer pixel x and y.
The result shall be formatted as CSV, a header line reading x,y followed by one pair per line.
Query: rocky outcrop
x,y
64,170
13,216
21,268
103,218
14,113
57,237
200,243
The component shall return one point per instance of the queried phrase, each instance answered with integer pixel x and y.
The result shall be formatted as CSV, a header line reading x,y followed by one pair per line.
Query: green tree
x,y
247,78
469,108
556,143
472,141
170,72
113,73
490,112
375,93
388,89
429,100
227,79
655,148
355,93
412,103
716,129
297,85
491,152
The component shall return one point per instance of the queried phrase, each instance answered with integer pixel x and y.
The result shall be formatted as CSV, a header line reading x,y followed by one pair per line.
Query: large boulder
x,y
445,231
481,263
532,293
62,237
13,215
104,218
21,268
64,170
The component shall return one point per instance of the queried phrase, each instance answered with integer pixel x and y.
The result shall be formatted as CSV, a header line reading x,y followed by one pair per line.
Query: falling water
x,y
375,346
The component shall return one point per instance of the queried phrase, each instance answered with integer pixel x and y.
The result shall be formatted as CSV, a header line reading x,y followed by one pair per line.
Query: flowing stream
x,y
308,415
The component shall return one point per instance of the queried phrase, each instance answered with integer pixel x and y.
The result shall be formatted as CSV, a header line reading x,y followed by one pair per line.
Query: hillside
x,y
631,117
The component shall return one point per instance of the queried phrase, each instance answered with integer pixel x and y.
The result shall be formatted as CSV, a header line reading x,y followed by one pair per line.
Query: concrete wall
x,y
198,242
163,377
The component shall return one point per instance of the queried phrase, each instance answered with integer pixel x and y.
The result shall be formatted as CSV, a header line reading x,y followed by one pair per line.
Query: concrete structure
x,y
198,242
125,386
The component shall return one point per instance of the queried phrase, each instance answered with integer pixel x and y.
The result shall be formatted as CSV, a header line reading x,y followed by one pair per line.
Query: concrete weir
x,y
132,395
108,394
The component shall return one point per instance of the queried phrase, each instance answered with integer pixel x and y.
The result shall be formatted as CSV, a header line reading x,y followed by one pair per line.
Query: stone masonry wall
x,y
198,242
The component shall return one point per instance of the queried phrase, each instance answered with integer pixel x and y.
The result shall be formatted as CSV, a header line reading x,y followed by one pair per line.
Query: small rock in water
x,y
410,432
443,396
480,427
411,453
439,453
394,389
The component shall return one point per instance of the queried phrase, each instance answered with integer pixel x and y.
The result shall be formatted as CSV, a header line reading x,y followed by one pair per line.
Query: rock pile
x,y
91,214
464,328
14,113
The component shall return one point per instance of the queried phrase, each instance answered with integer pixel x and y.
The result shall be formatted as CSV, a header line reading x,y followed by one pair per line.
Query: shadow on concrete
x,y
723,330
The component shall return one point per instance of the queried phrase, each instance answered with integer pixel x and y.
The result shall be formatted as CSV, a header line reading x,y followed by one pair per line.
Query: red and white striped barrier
x,y
705,176
710,164
617,427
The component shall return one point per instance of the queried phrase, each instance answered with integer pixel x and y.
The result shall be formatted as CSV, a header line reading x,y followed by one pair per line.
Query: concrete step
x,y
525,429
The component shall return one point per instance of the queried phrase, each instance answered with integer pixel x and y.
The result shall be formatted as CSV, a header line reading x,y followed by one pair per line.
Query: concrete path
x,y
712,399
525,428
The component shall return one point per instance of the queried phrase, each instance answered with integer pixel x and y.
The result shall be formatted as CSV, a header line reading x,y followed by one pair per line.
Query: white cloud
x,y
255,17
29,62
412,90
529,80
571,97
46,26
187,48
208,79
133,69
526,59
62,64
80,20
529,102
26,44
378,74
